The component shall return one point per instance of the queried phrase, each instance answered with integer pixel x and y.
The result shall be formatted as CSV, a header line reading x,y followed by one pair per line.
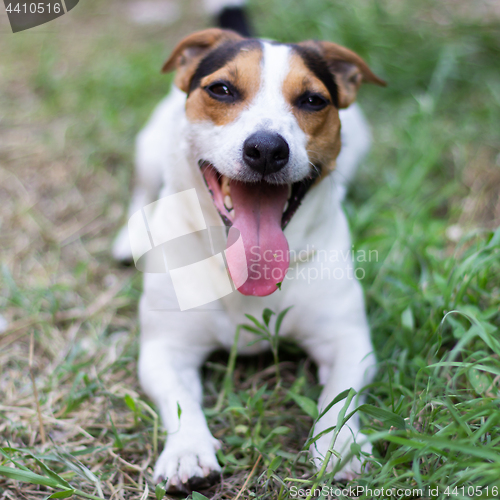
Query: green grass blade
x,y
28,477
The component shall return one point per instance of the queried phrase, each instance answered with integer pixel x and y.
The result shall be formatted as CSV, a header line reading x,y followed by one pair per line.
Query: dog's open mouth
x,y
260,212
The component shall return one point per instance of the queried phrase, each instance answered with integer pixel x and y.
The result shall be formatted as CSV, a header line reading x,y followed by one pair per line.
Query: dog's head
x,y
264,127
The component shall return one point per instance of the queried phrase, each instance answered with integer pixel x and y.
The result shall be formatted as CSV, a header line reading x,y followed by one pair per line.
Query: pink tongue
x,y
258,210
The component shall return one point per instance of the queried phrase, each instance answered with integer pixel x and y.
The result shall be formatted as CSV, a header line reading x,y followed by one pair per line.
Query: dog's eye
x,y
222,92
220,89
312,102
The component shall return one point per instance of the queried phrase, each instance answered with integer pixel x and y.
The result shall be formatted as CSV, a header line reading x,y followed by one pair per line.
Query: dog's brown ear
x,y
191,50
348,68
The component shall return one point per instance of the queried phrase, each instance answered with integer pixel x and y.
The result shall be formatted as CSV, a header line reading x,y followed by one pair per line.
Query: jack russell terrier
x,y
251,128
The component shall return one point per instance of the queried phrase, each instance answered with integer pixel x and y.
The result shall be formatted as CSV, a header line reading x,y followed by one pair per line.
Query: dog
x,y
252,129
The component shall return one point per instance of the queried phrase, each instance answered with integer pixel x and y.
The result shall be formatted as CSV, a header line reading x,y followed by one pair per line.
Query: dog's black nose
x,y
266,152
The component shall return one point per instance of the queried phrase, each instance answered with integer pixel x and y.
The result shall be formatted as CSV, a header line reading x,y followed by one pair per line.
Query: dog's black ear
x,y
189,52
349,69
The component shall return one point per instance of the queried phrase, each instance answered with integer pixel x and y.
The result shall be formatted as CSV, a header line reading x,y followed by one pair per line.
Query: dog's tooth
x,y
225,188
289,191
286,207
228,202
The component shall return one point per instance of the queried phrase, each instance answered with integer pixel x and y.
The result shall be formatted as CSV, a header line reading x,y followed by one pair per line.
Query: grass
x,y
74,93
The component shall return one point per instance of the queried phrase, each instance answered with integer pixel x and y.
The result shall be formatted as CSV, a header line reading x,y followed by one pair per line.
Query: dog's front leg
x,y
347,361
170,376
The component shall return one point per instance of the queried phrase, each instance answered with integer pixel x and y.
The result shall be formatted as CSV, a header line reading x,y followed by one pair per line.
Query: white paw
x,y
121,250
351,469
188,463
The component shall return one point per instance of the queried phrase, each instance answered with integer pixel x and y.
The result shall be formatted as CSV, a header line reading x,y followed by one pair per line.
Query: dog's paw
x,y
351,469
121,250
188,464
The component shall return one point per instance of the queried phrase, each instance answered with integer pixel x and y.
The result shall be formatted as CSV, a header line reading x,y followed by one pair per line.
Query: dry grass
x,y
59,213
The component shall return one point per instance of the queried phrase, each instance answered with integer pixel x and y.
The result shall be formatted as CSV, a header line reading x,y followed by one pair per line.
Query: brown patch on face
x,y
243,74
191,50
349,69
322,128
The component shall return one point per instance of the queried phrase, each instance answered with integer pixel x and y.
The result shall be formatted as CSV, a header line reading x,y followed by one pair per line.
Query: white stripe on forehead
x,y
275,66
269,104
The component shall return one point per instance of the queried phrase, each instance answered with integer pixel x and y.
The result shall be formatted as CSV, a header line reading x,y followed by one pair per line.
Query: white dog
x,y
249,138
